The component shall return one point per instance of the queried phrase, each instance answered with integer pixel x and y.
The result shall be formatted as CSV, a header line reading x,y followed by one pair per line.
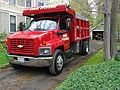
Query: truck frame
x,y
52,37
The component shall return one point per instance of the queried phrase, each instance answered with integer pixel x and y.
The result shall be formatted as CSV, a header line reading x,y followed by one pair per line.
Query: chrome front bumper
x,y
31,61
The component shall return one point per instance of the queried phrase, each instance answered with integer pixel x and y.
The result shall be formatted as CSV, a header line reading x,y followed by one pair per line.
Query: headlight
x,y
44,51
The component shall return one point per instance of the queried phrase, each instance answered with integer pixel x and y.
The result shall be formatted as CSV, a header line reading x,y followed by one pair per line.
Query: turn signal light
x,y
44,43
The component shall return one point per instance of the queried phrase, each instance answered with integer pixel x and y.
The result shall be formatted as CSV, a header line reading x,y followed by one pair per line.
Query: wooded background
x,y
98,11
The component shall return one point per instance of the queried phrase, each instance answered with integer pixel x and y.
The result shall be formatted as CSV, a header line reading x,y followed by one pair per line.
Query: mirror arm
x,y
21,26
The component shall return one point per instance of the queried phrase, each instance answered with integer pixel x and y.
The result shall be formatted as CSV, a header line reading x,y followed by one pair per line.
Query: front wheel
x,y
58,62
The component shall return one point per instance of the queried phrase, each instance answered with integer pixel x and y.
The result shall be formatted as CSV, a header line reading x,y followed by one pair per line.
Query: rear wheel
x,y
58,62
84,47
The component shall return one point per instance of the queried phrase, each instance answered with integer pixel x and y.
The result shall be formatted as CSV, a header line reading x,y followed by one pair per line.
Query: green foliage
x,y
96,58
84,8
4,59
103,76
117,57
2,47
3,37
118,23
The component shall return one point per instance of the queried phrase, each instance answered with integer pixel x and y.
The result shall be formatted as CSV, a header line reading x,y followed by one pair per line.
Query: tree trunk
x,y
118,31
118,35
113,30
107,30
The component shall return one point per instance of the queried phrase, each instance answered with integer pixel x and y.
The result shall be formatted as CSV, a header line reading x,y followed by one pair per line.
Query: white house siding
x,y
20,19
7,9
21,3
4,22
11,8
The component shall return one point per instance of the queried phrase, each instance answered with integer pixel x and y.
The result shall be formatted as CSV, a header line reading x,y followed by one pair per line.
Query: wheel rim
x,y
87,49
59,62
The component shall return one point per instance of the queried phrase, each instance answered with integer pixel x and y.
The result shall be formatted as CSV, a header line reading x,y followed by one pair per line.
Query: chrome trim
x,y
39,58
31,62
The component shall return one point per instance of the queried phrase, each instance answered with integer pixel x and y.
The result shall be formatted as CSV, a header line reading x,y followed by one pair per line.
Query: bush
x,y
103,76
3,36
117,57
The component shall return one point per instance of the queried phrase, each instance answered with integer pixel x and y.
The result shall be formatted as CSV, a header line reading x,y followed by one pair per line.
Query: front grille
x,y
27,46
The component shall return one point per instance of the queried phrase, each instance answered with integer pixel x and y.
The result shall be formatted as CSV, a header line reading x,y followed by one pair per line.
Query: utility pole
x,y
107,30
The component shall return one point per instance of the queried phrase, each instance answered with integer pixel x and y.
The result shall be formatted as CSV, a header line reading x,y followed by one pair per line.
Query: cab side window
x,y
65,24
62,24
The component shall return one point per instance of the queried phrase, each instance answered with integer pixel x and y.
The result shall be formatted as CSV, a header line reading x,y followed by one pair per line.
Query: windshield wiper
x,y
41,29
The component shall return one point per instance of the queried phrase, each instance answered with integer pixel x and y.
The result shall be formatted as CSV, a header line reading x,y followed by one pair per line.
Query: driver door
x,y
65,28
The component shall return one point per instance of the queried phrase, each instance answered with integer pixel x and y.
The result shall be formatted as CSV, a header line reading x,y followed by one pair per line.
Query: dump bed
x,y
54,9
81,30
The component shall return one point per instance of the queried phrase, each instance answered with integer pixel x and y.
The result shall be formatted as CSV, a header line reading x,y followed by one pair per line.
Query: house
x,y
97,34
11,13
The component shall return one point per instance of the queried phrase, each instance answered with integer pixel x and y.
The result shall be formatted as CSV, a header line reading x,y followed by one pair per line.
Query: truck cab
x,y
51,38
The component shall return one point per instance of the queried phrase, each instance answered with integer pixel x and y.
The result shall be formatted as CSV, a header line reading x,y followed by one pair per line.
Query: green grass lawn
x,y
96,58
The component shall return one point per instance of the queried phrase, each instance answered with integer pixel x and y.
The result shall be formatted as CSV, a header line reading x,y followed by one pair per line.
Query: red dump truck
x,y
54,34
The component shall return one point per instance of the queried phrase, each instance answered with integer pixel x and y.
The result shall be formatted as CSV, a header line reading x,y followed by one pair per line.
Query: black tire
x,y
58,59
15,66
84,47
80,48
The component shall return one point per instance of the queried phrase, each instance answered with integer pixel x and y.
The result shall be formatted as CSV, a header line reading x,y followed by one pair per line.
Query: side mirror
x,y
68,24
21,26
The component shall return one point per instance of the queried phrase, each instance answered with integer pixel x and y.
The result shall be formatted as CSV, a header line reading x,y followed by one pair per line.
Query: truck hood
x,y
31,35
26,35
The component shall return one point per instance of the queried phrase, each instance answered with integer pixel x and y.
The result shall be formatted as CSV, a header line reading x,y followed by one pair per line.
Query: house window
x,y
40,3
12,2
28,3
12,23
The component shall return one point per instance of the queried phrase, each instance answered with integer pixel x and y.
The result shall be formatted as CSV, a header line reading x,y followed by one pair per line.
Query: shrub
x,y
103,76
4,59
117,57
3,36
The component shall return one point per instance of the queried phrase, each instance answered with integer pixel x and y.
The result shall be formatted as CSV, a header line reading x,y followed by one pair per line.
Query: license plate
x,y
21,59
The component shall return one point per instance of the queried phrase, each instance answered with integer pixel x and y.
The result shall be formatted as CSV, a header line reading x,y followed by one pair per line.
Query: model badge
x,y
20,46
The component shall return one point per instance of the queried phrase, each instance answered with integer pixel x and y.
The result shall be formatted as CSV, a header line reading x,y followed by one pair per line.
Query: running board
x,y
69,60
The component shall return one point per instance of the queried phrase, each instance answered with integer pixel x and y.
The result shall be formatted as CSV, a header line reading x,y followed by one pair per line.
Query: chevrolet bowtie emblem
x,y
20,46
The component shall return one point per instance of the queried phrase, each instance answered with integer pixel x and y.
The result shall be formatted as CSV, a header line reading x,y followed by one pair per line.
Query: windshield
x,y
43,25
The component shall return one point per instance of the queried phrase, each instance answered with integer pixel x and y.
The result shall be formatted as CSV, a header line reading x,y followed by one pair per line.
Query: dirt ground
x,y
39,78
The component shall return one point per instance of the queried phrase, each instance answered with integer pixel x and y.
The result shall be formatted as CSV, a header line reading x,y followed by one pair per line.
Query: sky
x,y
93,5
